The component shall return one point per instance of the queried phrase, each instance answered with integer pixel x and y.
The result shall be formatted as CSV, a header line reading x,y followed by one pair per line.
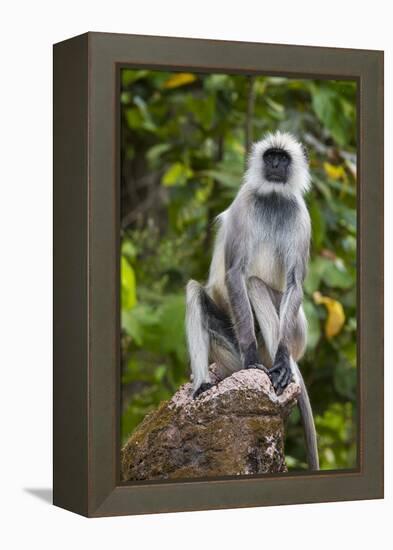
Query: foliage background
x,y
184,140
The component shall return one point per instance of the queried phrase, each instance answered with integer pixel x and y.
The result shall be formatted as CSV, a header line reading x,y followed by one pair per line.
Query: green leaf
x,y
216,82
333,112
314,274
227,179
335,274
160,372
345,378
130,324
336,442
128,250
314,327
318,224
129,76
177,174
139,323
332,272
347,216
147,121
277,107
154,153
134,118
128,285
172,316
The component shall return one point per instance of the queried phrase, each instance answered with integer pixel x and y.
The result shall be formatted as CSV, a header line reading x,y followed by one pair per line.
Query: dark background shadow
x,y
44,494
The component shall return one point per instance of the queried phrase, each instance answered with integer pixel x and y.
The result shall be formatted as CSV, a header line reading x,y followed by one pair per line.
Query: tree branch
x,y
250,114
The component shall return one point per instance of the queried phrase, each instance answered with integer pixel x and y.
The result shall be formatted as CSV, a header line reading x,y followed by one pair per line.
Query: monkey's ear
x,y
305,152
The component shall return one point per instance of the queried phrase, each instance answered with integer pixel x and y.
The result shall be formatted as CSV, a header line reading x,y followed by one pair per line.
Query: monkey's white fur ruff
x,y
299,177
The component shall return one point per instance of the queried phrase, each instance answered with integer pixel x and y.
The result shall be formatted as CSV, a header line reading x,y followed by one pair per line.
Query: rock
x,y
235,428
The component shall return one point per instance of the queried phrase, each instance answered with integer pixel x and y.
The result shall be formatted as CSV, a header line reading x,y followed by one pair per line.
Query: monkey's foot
x,y
202,388
258,366
280,376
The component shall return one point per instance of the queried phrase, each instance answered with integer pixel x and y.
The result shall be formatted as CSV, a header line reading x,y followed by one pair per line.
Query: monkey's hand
x,y
281,373
202,388
257,366
251,359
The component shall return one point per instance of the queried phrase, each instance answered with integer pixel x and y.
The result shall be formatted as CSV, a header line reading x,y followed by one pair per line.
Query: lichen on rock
x,y
235,428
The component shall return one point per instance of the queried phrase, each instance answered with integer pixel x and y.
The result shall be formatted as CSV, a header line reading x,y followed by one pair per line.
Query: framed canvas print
x,y
218,274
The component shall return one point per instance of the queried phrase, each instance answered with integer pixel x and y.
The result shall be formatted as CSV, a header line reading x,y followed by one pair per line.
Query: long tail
x,y
310,433
197,336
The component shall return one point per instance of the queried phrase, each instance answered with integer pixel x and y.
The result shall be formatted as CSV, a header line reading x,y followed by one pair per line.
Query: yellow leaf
x,y
334,172
336,317
179,79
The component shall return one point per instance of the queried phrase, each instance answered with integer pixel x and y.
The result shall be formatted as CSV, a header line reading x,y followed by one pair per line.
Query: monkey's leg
x,y
290,329
210,337
298,341
266,304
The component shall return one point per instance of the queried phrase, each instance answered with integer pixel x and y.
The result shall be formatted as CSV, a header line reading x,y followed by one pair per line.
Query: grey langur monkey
x,y
250,314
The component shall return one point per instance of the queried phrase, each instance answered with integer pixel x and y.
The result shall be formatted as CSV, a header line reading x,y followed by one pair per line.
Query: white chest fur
x,y
266,264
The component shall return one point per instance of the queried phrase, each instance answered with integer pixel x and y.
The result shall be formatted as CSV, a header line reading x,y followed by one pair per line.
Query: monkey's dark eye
x,y
276,157
284,159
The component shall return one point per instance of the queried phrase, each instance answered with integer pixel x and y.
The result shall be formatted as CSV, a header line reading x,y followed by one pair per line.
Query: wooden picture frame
x,y
86,273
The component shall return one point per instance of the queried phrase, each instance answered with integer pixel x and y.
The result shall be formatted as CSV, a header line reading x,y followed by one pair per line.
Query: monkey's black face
x,y
276,164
